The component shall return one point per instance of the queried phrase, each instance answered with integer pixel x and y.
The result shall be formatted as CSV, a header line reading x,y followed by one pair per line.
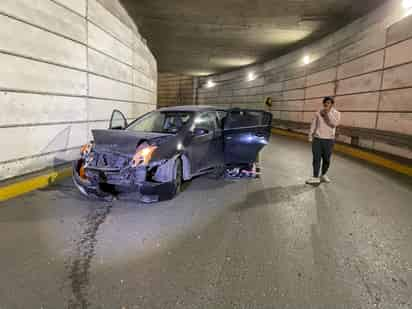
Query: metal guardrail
x,y
391,138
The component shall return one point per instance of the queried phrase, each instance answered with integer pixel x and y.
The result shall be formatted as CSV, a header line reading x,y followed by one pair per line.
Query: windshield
x,y
162,122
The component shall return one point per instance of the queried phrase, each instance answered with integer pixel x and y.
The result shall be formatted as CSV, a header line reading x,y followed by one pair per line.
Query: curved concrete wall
x,y
65,65
366,65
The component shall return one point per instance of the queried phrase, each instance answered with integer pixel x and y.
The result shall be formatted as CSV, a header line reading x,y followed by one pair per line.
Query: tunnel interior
x,y
268,241
363,65
96,60
214,37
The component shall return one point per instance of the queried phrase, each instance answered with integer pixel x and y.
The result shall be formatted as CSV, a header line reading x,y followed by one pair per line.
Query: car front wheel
x,y
177,177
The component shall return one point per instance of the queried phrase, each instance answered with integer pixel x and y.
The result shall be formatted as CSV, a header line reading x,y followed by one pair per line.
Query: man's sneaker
x,y
313,181
325,178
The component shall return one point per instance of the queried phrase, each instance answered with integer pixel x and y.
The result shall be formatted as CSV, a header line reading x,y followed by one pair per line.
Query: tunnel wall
x,y
367,66
174,89
65,65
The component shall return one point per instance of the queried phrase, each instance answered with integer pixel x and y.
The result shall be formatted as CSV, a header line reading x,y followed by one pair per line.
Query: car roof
x,y
191,108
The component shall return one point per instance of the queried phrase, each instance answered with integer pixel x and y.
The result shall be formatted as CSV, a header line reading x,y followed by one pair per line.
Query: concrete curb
x,y
30,184
357,153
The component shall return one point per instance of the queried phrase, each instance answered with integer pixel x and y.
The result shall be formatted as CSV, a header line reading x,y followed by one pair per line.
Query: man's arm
x,y
332,118
313,127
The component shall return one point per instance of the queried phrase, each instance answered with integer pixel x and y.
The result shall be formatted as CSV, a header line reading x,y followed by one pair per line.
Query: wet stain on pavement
x,y
78,267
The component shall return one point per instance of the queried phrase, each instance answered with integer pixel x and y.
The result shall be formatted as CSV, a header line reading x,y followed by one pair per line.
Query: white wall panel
x,y
47,14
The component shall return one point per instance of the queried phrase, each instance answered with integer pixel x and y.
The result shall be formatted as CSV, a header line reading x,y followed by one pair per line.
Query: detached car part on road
x,y
154,154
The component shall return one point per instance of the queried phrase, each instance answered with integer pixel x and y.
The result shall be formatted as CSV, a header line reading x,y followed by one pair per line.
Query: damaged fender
x,y
164,172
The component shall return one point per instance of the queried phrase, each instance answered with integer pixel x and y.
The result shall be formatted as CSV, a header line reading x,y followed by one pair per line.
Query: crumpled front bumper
x,y
145,191
84,185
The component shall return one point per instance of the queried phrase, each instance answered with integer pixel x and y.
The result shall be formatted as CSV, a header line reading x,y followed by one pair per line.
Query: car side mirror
x,y
200,131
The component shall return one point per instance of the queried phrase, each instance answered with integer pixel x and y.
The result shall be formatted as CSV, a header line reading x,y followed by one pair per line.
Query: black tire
x,y
177,177
218,172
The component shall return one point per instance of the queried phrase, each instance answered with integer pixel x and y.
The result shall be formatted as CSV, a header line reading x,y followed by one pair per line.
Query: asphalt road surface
x,y
273,242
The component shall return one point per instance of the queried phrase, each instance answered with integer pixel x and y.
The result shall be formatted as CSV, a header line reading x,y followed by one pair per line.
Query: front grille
x,y
113,168
109,160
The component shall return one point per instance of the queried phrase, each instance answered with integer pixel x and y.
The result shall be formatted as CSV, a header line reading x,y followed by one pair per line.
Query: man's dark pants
x,y
322,152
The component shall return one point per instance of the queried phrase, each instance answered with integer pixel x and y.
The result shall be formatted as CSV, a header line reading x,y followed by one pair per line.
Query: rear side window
x,y
206,121
221,115
247,118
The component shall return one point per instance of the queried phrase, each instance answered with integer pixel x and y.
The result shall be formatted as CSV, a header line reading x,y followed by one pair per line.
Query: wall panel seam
x,y
68,67
348,111
381,83
131,48
120,81
339,63
88,74
345,78
399,42
43,28
338,49
69,9
320,84
45,124
389,67
57,64
40,155
121,61
119,19
360,74
68,95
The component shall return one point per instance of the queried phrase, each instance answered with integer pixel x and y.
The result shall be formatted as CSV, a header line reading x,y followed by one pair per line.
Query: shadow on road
x,y
273,195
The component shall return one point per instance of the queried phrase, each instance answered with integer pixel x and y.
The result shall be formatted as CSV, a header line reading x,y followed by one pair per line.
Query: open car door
x,y
117,121
245,133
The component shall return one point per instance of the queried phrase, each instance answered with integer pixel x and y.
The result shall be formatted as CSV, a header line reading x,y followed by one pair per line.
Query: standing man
x,y
322,135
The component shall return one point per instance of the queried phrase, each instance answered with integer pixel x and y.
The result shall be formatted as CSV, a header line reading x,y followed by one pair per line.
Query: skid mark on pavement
x,y
78,267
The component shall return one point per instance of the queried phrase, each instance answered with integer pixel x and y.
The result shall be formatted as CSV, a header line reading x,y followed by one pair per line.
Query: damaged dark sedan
x,y
153,155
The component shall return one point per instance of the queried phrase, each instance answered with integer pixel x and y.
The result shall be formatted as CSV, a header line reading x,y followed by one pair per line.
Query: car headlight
x,y
143,156
86,149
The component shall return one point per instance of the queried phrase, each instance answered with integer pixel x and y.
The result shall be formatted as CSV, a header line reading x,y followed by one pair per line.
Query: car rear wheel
x,y
177,177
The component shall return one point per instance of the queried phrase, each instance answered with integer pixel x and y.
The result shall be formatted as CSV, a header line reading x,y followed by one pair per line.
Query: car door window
x,y
221,115
246,133
117,120
238,119
213,121
206,121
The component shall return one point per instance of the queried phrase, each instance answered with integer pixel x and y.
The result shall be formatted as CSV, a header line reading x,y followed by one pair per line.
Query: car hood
x,y
125,141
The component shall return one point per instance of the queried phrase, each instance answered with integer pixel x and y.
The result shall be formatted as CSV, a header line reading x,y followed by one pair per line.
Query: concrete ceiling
x,y
211,36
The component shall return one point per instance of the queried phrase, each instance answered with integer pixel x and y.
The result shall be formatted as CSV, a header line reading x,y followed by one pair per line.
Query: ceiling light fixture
x,y
251,76
210,84
306,59
407,4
